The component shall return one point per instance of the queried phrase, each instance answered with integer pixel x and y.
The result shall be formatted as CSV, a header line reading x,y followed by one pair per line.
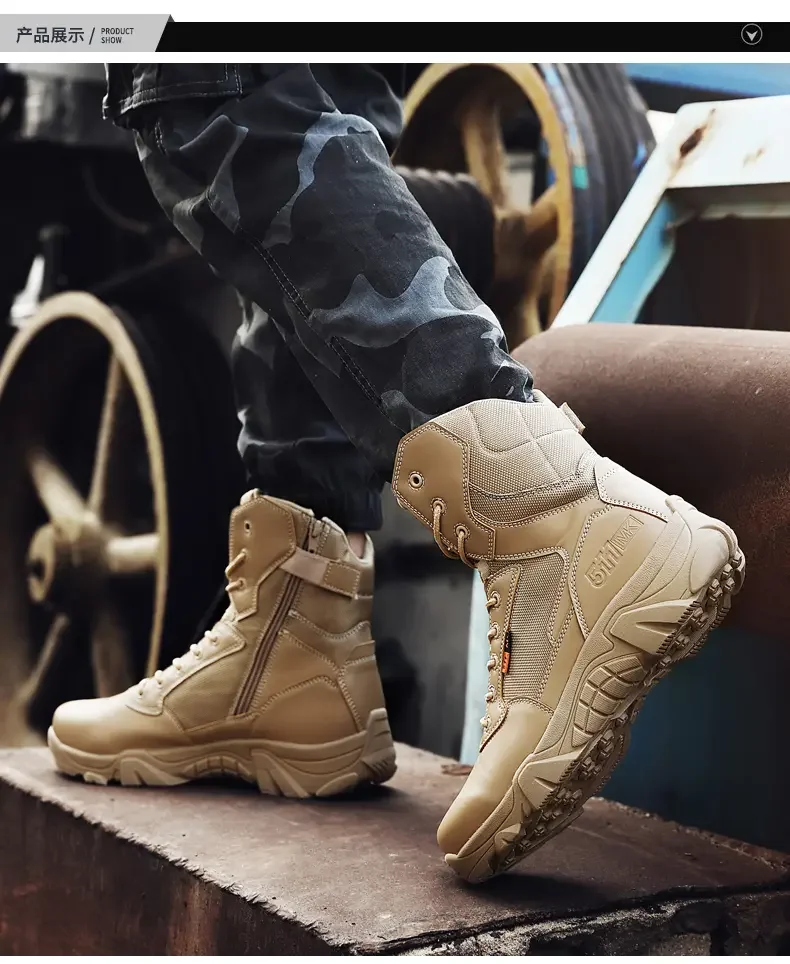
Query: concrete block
x,y
220,869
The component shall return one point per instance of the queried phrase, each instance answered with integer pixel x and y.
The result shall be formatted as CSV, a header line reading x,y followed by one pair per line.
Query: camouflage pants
x,y
358,324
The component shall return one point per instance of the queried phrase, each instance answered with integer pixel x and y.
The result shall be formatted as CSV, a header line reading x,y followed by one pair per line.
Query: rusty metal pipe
x,y
699,412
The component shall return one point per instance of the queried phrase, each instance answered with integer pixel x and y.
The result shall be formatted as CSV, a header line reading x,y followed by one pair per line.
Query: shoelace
x,y
492,601
461,533
210,637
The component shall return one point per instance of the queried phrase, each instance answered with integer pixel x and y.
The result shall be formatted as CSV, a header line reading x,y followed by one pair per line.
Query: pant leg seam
x,y
291,292
282,279
359,377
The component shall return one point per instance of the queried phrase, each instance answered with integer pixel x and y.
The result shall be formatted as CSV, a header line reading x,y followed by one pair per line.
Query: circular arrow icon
x,y
751,34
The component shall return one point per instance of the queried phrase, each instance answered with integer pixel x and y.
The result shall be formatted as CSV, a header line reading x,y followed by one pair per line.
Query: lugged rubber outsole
x,y
281,769
568,783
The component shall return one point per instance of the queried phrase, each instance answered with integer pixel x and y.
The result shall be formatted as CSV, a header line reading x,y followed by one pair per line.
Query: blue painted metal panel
x,y
738,80
708,751
643,267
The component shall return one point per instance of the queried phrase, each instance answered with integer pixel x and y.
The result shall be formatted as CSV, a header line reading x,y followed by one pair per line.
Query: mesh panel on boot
x,y
531,641
207,696
524,458
522,505
514,447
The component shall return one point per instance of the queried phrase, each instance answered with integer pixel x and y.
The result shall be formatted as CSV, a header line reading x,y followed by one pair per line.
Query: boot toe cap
x,y
93,726
467,814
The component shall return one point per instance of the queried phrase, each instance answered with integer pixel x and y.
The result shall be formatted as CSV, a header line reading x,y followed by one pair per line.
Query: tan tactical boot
x,y
597,583
284,691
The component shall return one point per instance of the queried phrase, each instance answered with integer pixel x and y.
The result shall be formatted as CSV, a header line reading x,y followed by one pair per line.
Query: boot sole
x,y
549,792
281,769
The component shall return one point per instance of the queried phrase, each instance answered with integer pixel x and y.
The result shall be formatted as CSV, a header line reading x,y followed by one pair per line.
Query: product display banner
x,y
159,33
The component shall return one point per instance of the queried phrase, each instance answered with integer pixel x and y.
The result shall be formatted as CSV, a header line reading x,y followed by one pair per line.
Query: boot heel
x,y
327,769
378,755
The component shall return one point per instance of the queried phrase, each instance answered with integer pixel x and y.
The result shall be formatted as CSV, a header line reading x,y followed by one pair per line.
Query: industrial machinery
x,y
554,147
109,444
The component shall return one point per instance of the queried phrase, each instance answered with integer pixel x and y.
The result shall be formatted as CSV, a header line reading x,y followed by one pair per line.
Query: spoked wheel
x,y
99,456
460,118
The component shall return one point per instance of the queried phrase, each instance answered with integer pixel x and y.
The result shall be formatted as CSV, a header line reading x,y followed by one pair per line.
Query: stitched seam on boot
x,y
174,718
481,523
533,439
577,604
291,689
560,639
538,518
257,643
360,659
346,635
427,427
605,497
532,701
345,690
157,707
558,643
514,573
308,648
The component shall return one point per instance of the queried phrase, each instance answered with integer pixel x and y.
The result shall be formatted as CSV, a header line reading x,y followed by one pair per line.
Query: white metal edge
x,y
742,142
628,223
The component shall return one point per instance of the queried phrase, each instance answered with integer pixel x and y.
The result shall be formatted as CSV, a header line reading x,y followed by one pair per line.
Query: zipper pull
x,y
313,535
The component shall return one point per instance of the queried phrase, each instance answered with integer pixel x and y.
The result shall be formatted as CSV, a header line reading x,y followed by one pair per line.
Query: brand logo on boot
x,y
612,552
506,648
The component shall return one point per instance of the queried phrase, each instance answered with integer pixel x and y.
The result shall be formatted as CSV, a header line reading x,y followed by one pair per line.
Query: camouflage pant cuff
x,y
358,511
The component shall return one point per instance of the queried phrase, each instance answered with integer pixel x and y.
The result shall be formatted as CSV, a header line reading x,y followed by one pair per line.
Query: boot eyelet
x,y
247,526
416,480
494,630
462,529
439,503
496,599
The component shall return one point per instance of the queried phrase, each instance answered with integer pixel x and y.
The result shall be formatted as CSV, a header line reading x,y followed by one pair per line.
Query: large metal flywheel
x,y
553,147
112,519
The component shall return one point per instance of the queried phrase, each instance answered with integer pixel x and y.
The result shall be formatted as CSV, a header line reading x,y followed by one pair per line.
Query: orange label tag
x,y
506,654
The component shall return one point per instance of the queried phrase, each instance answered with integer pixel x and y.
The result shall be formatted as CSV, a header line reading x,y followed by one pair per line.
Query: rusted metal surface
x,y
695,411
692,141
735,144
223,870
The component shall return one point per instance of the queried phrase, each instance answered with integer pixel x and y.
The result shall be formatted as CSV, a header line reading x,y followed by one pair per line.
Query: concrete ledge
x,y
222,870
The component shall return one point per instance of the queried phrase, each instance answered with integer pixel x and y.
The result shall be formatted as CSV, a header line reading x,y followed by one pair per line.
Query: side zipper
x,y
290,590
